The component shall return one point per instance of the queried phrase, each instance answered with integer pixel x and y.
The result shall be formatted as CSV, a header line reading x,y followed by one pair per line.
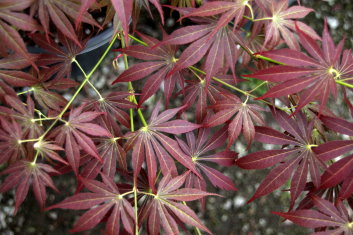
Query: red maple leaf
x,y
332,219
198,149
315,77
292,162
104,199
163,210
75,132
147,144
22,175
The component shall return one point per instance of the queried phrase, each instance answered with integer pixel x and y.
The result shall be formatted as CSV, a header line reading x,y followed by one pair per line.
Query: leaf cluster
x,y
137,168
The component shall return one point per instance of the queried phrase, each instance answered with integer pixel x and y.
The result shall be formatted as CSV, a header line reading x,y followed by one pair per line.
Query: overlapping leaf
x,y
243,120
229,10
195,90
197,149
341,170
11,70
10,135
160,61
149,143
114,103
111,151
163,210
293,163
281,20
124,11
23,113
334,219
314,76
58,58
11,15
104,200
76,132
221,49
22,175
61,13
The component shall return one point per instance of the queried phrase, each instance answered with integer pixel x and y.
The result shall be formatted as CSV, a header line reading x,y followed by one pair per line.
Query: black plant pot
x,y
94,49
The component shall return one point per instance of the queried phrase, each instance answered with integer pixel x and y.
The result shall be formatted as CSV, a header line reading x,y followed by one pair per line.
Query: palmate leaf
x,y
59,12
125,9
23,114
112,153
195,90
197,149
22,175
75,133
341,170
114,104
282,19
161,60
11,70
293,163
58,58
149,143
10,134
221,49
11,15
104,197
313,76
229,10
244,113
164,211
332,219
42,89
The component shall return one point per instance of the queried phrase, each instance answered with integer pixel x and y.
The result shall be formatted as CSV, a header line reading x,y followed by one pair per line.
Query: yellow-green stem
x,y
87,77
136,208
126,193
219,80
344,84
25,92
130,87
196,228
257,87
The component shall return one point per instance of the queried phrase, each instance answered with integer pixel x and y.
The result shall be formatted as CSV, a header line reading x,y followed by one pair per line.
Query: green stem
x,y
24,92
97,92
149,194
251,10
127,193
222,82
257,87
138,40
27,140
43,119
346,79
136,208
344,84
35,158
79,66
87,77
130,87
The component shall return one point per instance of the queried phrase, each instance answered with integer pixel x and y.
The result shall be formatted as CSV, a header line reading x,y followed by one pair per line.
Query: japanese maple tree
x,y
232,73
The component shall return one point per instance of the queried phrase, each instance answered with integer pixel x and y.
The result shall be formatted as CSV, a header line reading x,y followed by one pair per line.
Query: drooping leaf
x,y
100,201
314,77
292,162
22,175
148,141
76,132
166,208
